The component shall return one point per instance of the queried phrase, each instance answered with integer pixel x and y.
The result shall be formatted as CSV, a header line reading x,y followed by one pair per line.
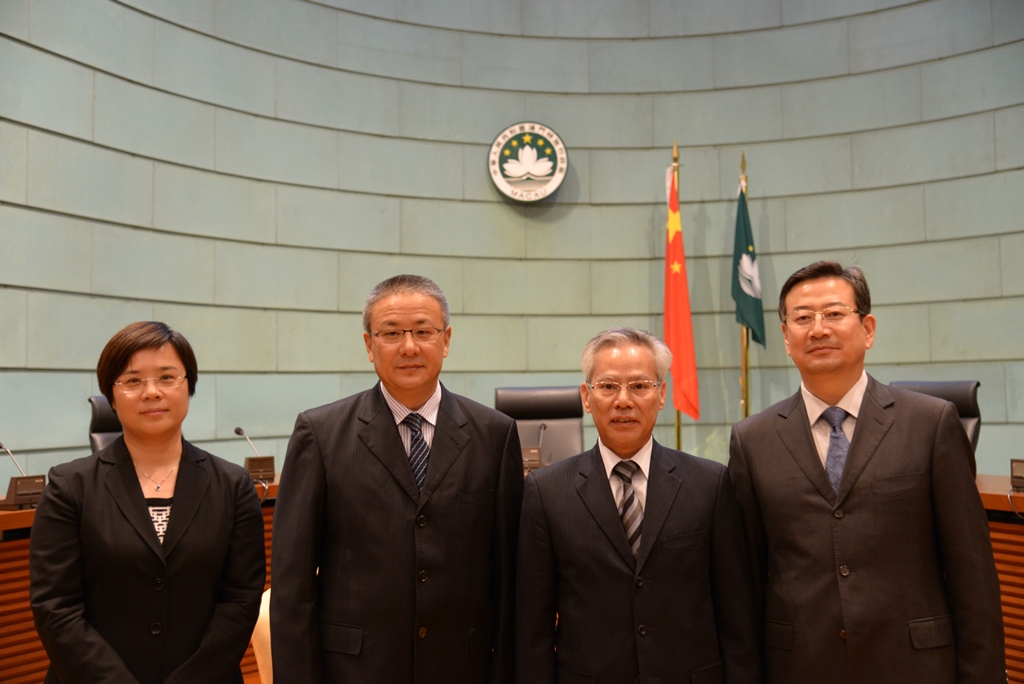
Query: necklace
x,y
161,481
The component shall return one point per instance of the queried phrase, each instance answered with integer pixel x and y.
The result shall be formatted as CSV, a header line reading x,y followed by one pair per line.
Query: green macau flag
x,y
746,280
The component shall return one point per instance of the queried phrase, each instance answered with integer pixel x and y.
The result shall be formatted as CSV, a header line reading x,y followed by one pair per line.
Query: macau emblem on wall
x,y
527,161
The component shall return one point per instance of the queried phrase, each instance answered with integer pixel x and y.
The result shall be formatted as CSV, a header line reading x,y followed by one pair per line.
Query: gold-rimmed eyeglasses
x,y
830,316
636,388
132,386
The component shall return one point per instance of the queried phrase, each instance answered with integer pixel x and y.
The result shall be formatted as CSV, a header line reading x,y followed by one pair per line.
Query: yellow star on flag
x,y
676,267
527,138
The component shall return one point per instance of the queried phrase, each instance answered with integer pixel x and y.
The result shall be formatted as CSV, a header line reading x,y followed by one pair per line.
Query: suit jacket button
x,y
641,630
639,582
844,571
423,575
842,634
156,628
421,521
421,632
159,584
838,512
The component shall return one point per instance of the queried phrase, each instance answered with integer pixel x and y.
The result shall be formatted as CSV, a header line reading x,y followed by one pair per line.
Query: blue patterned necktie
x,y
838,446
419,452
630,511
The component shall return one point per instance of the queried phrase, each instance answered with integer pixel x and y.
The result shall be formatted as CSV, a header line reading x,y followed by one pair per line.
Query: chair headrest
x,y
539,403
103,417
962,393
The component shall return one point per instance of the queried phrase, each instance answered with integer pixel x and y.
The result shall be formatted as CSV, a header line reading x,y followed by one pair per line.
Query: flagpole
x,y
675,177
744,332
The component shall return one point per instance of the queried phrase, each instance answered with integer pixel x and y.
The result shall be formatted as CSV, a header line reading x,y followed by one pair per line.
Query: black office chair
x,y
550,421
105,426
963,394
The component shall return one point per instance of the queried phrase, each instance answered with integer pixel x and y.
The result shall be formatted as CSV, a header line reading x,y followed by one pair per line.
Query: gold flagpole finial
x,y
743,171
675,153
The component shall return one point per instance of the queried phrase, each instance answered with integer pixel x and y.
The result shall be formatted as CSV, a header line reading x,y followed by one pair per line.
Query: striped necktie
x,y
838,446
419,452
630,511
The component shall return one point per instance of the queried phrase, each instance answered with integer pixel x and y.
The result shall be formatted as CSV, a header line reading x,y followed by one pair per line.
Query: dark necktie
x,y
419,452
838,446
629,510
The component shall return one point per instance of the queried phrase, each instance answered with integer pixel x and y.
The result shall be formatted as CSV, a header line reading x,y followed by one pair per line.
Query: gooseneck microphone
x,y
241,433
261,468
13,459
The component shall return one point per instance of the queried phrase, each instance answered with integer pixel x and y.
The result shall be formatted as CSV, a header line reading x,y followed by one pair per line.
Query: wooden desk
x,y
22,658
1007,532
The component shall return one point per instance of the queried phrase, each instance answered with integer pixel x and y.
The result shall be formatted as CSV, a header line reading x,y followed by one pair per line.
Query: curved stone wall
x,y
247,169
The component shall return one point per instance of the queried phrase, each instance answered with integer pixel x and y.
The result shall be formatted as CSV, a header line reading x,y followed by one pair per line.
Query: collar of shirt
x,y
850,402
820,429
428,411
642,458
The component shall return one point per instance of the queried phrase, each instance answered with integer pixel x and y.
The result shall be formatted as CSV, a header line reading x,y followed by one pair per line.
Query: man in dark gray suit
x,y
397,517
870,546
636,548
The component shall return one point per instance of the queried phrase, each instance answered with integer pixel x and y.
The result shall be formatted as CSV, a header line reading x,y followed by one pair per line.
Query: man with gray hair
x,y
397,518
637,549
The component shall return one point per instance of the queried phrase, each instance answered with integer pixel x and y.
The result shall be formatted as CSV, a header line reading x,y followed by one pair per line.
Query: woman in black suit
x,y
147,561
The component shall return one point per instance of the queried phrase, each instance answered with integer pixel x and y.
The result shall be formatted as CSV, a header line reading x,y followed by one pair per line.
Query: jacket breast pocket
x,y
479,496
685,541
932,632
346,639
897,483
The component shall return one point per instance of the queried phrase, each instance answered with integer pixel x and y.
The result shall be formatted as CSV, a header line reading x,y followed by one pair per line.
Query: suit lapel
x,y
123,485
450,440
380,435
873,422
596,493
193,481
795,433
662,487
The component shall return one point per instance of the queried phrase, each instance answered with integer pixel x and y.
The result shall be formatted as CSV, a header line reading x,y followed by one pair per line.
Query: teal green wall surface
x,y
246,170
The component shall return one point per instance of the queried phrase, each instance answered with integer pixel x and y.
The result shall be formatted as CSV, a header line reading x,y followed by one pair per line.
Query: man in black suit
x,y
397,518
865,526
637,549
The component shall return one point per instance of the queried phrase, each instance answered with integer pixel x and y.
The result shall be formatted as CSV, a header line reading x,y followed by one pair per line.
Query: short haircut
x,y
830,269
620,336
401,284
134,338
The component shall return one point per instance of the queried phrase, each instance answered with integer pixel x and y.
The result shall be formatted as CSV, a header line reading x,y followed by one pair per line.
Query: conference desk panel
x,y
1007,531
23,661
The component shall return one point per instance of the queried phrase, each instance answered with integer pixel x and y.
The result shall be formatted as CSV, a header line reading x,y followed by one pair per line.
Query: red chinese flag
x,y
678,323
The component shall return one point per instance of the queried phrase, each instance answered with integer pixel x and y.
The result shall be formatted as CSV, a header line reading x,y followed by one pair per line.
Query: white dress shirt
x,y
820,428
428,411
642,458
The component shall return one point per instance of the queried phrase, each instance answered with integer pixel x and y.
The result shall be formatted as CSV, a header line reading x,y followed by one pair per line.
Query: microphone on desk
x,y
261,468
241,433
13,459
24,491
